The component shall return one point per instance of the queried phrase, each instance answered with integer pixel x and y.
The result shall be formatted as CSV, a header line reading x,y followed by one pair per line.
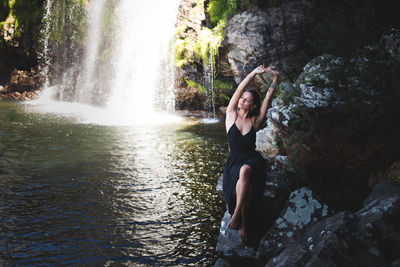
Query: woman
x,y
244,169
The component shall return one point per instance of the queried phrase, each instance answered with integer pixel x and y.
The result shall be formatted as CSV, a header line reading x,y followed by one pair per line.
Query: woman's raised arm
x,y
242,86
233,103
264,106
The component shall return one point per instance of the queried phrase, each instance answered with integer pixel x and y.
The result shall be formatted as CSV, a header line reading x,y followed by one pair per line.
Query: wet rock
x,y
369,237
230,245
302,209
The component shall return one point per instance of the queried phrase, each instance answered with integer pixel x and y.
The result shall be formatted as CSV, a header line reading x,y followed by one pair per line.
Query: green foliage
x,y
220,10
208,41
11,4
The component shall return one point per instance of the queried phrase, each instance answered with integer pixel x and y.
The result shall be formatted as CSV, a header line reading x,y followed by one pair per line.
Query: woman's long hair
x,y
256,101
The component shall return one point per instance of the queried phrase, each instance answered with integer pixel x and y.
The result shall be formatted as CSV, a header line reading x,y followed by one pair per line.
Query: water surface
x,y
79,193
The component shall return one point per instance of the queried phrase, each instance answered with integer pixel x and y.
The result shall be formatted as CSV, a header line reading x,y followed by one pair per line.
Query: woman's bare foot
x,y
234,222
242,233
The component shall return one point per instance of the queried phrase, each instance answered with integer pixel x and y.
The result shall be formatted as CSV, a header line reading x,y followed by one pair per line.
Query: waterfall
x,y
44,56
93,39
123,62
209,84
145,34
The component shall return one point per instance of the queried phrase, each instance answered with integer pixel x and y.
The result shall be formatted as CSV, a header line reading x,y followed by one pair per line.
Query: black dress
x,y
242,151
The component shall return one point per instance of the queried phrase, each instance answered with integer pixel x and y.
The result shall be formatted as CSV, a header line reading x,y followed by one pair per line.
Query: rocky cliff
x,y
336,125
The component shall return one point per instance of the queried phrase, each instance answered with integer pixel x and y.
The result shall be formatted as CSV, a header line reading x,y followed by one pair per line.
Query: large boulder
x,y
274,35
369,237
345,113
303,208
339,121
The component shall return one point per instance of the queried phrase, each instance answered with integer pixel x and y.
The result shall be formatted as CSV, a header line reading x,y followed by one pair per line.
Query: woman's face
x,y
246,101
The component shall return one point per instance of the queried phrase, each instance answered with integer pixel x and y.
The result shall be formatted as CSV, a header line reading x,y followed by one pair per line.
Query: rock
x,y
282,160
23,81
230,245
396,263
392,175
337,123
302,209
266,141
220,188
326,104
382,190
280,116
391,43
222,263
369,237
255,35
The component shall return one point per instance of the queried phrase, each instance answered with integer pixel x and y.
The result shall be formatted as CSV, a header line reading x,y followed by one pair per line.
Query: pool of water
x,y
81,193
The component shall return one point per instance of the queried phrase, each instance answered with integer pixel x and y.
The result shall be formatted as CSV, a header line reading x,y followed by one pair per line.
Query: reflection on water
x,y
89,194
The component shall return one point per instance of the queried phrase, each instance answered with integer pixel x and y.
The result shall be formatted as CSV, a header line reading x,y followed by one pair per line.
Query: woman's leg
x,y
243,214
238,219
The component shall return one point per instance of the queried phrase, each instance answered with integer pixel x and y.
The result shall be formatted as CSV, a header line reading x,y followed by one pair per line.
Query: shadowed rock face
x,y
262,37
369,237
339,123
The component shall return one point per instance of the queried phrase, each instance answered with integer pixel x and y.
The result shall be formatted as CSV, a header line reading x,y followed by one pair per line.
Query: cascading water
x,y
147,28
125,68
209,84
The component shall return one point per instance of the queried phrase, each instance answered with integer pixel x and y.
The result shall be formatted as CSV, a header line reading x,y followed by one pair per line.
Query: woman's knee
x,y
245,172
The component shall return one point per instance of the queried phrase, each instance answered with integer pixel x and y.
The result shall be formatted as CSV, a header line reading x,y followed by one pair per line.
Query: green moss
x,y
220,85
222,91
184,52
194,84
208,42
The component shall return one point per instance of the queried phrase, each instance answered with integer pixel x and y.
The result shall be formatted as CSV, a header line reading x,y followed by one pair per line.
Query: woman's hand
x,y
272,69
260,70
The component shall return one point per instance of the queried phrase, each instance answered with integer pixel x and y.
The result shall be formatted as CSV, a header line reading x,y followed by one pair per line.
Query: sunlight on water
x,y
95,115
210,120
